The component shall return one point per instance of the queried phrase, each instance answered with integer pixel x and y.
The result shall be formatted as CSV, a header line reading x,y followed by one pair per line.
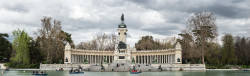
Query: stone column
x,y
112,58
159,57
141,59
95,59
170,59
100,57
167,59
135,59
106,58
164,59
147,59
151,59
91,59
156,56
77,58
84,57
72,58
80,58
144,59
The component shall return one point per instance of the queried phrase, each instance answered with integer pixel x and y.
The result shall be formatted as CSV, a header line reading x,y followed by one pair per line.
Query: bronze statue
x,y
122,17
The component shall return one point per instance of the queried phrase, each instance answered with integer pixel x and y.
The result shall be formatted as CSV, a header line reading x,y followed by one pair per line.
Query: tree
x,y
5,48
228,50
242,50
69,39
51,40
203,29
35,53
21,47
100,42
186,42
148,43
213,54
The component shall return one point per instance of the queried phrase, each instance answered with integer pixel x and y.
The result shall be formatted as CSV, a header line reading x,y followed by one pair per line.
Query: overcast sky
x,y
85,19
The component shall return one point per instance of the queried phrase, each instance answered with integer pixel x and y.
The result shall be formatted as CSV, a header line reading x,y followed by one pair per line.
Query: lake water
x,y
165,73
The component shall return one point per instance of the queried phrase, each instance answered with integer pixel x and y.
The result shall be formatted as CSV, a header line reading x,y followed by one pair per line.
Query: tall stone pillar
x,y
157,59
106,58
168,59
135,59
144,60
95,59
91,59
147,60
171,59
161,58
164,57
78,58
74,58
141,59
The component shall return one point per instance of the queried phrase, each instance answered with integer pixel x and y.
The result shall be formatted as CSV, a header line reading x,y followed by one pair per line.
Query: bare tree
x,y
203,28
51,39
101,42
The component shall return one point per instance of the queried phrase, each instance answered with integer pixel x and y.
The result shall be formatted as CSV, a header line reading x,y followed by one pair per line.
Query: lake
x,y
165,73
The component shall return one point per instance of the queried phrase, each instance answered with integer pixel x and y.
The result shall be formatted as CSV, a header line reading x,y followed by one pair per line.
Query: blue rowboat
x,y
59,70
135,72
76,72
40,74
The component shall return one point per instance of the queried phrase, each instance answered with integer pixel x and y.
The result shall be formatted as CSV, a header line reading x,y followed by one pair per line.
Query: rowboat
x,y
135,72
76,72
40,74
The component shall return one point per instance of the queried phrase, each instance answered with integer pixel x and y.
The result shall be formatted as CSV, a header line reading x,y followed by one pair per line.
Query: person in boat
x,y
41,72
34,71
71,70
37,72
62,69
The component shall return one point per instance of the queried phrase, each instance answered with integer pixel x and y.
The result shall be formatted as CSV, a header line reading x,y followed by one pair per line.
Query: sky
x,y
85,19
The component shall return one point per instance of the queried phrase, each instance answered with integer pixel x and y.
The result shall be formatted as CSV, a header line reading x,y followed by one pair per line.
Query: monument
x,y
149,60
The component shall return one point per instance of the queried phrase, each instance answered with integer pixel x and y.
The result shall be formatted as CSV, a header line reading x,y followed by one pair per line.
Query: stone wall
x,y
143,67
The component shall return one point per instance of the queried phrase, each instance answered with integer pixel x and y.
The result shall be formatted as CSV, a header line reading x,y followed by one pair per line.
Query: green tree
x,y
5,48
213,53
69,39
21,47
228,51
35,53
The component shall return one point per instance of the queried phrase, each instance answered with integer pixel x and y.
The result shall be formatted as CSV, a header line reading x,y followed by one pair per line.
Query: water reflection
x,y
167,73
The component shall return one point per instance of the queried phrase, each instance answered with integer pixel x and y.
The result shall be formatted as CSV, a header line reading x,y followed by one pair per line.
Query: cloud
x,y
85,19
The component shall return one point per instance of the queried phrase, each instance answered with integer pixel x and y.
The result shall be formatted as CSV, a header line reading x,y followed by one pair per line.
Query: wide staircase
x,y
144,67
122,66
